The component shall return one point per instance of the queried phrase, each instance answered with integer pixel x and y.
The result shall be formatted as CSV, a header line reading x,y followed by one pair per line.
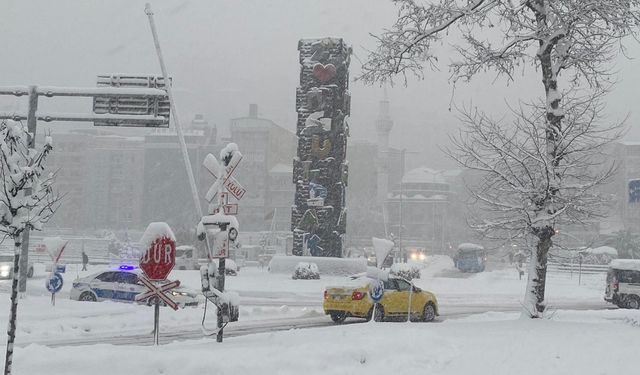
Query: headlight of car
x,y
5,270
175,293
414,256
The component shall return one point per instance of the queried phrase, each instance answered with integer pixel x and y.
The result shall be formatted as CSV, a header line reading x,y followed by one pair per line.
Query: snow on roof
x,y
625,264
438,197
281,168
424,174
470,246
602,250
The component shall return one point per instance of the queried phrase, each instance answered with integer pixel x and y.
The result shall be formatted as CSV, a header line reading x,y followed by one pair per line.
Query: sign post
x,y
224,231
54,285
54,246
156,263
376,292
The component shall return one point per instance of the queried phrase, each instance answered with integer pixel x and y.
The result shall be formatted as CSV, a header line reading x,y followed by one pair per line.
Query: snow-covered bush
x,y
326,265
406,270
306,271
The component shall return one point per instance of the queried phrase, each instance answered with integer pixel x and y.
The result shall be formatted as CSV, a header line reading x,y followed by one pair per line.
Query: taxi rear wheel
x,y
88,296
429,312
338,317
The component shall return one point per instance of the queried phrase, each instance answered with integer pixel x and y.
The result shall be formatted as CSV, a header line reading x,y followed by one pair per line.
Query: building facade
x,y
268,151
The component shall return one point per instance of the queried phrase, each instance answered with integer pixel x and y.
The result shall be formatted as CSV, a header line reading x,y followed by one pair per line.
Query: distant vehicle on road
x,y
306,271
186,258
623,283
122,285
353,301
470,258
6,267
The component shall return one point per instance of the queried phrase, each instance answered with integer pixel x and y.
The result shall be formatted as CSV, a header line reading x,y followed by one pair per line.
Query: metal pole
x,y
31,142
410,300
402,253
580,271
156,323
221,270
174,113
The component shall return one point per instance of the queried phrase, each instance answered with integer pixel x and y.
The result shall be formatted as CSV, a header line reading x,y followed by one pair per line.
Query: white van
x,y
186,258
623,283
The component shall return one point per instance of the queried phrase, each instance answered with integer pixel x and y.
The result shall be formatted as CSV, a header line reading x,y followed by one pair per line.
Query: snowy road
x,y
194,332
269,303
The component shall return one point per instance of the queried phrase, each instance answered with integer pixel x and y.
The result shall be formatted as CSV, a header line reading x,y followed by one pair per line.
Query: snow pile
x,y
602,250
625,264
326,265
381,247
436,264
493,344
153,232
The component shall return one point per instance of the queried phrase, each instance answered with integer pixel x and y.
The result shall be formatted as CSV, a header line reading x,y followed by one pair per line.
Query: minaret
x,y
383,127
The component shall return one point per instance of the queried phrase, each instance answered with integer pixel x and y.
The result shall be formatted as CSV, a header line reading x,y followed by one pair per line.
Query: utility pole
x,y
403,256
174,113
31,126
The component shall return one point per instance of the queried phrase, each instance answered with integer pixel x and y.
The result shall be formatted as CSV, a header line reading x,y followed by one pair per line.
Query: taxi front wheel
x,y
429,312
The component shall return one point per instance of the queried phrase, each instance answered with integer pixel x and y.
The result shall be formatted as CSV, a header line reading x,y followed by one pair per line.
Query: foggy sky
x,y
225,54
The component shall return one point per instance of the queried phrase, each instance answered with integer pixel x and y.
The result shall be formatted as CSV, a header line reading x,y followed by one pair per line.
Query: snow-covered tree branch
x,y
521,194
572,39
22,168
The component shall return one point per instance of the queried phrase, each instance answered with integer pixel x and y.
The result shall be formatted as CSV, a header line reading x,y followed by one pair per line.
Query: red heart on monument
x,y
324,73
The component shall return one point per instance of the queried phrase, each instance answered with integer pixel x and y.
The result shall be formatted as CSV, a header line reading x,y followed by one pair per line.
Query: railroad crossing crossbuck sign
x,y
225,178
158,291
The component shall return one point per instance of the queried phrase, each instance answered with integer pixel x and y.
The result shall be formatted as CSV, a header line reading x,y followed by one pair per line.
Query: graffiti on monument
x,y
320,170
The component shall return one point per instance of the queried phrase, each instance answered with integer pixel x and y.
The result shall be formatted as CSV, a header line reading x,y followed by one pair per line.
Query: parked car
x,y
623,283
122,285
6,267
306,271
353,301
470,258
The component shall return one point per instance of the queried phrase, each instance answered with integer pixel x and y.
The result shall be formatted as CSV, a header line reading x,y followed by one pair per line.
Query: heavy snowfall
x,y
286,187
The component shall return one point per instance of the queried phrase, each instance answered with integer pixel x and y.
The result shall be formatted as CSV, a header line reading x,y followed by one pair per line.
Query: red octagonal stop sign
x,y
159,258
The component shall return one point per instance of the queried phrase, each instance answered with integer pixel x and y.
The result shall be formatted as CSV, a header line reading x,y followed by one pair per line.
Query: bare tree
x,y
22,168
517,177
577,38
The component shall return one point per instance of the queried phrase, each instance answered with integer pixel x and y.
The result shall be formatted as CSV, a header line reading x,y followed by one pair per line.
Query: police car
x,y
122,285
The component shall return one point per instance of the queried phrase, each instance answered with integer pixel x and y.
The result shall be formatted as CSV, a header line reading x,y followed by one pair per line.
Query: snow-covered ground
x,y
598,340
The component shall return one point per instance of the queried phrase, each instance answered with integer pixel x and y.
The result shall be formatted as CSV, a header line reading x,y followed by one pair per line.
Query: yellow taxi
x,y
354,301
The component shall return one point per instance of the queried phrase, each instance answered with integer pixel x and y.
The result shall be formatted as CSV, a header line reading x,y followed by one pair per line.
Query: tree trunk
x,y
534,304
11,329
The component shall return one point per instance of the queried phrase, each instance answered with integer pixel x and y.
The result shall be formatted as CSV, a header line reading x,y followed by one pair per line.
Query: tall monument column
x,y
318,216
